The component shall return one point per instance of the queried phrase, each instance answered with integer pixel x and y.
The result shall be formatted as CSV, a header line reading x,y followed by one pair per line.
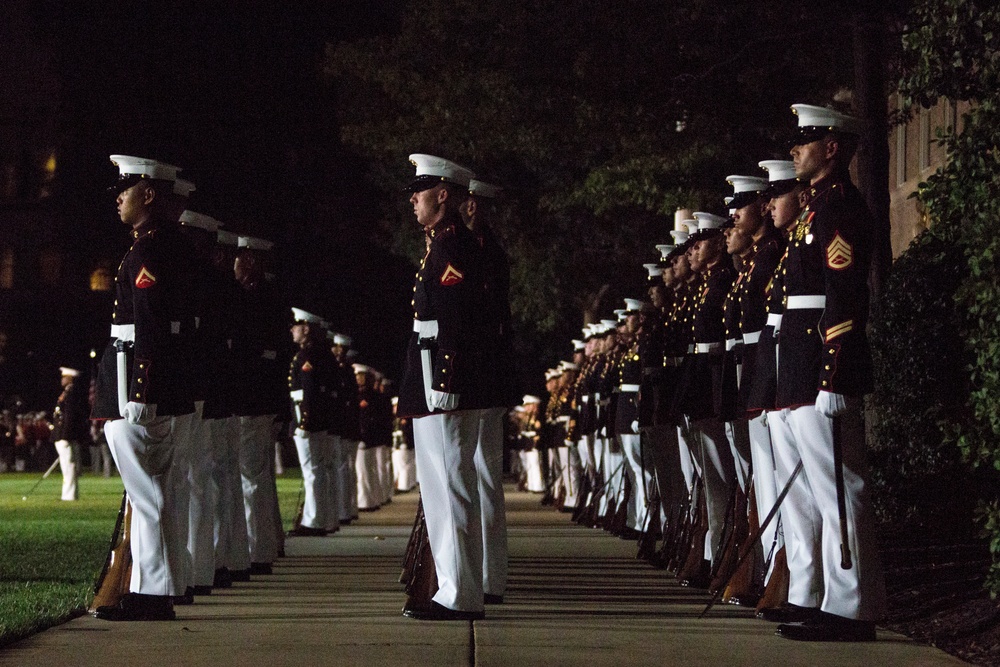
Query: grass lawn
x,y
52,551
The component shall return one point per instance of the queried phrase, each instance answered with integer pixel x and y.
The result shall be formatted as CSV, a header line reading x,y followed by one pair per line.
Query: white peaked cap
x,y
653,269
778,170
680,236
227,238
183,187
609,325
746,184
483,189
528,398
692,225
200,221
432,167
129,165
300,315
821,117
680,215
665,249
361,368
568,366
254,243
69,372
577,345
620,314
709,220
341,339
633,305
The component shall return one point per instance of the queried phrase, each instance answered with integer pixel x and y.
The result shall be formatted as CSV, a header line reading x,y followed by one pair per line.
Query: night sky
x,y
232,92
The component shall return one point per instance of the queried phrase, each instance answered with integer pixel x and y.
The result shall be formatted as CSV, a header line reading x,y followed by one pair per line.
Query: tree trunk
x,y
870,93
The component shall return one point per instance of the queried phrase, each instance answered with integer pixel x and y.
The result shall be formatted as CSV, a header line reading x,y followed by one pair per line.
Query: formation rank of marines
x,y
191,389
719,423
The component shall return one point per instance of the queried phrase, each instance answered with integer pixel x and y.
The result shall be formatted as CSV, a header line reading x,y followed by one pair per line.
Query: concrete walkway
x,y
576,597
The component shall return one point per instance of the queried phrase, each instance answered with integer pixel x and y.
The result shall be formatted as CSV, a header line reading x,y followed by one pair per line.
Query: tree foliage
x,y
600,117
951,51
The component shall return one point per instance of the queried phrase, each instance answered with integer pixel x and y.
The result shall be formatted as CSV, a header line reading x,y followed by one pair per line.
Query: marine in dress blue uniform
x,y
144,381
824,369
443,387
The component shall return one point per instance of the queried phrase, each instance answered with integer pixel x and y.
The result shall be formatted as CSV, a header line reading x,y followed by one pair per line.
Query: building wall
x,y
914,154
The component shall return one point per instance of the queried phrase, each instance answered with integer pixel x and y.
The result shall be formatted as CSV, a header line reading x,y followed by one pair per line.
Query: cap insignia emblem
x,y
306,367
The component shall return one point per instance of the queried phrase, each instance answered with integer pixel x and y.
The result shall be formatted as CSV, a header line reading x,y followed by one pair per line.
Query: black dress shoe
x,y
789,613
438,612
489,598
629,534
136,607
240,575
260,568
201,590
187,598
222,578
306,531
828,628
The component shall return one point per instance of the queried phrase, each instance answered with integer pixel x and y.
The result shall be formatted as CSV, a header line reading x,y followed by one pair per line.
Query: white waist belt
x,y
808,301
269,354
731,343
703,348
774,320
124,332
426,328
629,388
752,338
296,395
585,398
563,419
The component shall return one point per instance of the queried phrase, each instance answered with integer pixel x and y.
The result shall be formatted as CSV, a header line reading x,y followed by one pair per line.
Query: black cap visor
x,y
425,182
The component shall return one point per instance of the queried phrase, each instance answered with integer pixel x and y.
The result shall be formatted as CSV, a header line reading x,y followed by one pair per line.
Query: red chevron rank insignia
x,y
307,366
145,279
451,276
839,254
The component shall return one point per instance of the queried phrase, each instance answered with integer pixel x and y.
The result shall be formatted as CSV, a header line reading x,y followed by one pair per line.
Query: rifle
x,y
423,583
413,545
734,541
747,582
763,526
776,591
115,577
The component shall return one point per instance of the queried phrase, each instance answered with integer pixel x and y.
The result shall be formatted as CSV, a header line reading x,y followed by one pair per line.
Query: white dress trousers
x,y
489,468
232,549
857,592
715,459
369,486
348,479
312,449
259,490
446,447
69,465
404,468
144,455
202,503
765,486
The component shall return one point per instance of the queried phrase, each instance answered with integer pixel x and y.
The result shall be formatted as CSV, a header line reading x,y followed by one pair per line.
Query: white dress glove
x,y
635,426
139,413
442,400
830,404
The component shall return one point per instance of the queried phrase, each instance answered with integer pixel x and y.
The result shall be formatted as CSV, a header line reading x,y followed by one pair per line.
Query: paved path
x,y
576,597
